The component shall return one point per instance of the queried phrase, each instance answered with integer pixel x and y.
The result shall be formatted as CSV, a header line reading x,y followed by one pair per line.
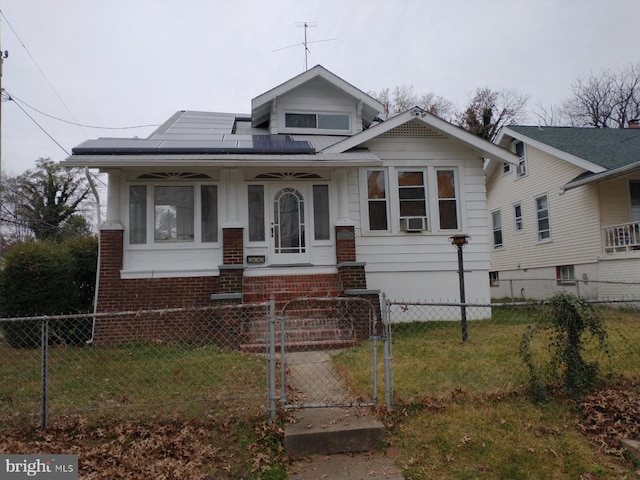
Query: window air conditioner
x,y
413,224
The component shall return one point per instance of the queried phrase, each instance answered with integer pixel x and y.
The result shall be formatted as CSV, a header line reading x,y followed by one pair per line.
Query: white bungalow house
x,y
569,212
309,194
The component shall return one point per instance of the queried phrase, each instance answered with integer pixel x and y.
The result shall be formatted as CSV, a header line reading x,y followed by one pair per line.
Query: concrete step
x,y
324,431
310,345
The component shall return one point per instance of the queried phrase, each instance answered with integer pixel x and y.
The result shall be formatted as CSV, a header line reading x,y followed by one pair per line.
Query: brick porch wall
x,y
116,294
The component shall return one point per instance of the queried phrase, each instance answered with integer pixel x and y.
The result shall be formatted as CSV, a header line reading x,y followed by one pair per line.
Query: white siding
x,y
614,201
421,266
313,97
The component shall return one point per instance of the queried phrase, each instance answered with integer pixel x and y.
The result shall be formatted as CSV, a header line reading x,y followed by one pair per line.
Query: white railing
x,y
621,238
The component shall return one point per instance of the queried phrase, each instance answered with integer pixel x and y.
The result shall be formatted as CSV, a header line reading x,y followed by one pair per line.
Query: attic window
x,y
172,176
324,121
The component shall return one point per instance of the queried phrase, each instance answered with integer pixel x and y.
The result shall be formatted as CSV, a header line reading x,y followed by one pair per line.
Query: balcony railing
x,y
621,238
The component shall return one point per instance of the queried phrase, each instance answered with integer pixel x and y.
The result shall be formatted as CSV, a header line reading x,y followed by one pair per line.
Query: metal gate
x,y
305,337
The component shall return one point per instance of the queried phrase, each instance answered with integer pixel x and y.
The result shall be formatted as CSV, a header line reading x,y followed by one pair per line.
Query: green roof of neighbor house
x,y
611,148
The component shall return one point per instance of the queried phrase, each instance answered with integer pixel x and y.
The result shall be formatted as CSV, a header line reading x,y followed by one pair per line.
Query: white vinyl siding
x,y
429,253
574,215
324,109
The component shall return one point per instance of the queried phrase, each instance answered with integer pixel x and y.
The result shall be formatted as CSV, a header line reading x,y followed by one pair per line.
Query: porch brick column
x,y
111,252
232,269
350,273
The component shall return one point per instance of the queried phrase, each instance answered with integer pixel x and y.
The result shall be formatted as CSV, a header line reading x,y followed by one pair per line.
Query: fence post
x,y
44,340
386,324
272,360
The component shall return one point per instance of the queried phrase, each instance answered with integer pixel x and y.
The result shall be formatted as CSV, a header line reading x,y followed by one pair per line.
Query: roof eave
x,y
105,162
602,176
556,152
485,148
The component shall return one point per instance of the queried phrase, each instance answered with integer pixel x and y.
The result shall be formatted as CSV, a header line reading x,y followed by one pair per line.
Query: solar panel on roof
x,y
189,143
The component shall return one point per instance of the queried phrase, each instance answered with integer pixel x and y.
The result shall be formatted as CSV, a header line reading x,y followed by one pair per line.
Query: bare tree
x,y
489,110
404,97
606,100
552,116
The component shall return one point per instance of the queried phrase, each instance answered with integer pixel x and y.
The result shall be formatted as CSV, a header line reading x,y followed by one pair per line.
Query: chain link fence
x,y
175,361
184,360
308,353
527,289
431,359
315,330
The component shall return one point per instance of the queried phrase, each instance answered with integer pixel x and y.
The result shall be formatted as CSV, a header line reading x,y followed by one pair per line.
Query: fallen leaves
x,y
142,449
610,415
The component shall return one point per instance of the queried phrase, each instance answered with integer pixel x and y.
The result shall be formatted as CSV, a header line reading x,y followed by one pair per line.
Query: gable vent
x,y
412,130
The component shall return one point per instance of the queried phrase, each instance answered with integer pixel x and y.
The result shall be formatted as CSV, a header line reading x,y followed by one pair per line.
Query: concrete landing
x,y
332,430
346,466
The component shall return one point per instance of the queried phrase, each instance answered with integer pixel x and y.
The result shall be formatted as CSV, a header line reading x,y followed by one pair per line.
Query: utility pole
x,y
3,54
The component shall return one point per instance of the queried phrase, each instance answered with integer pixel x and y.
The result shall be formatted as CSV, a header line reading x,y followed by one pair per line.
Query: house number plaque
x,y
345,235
253,259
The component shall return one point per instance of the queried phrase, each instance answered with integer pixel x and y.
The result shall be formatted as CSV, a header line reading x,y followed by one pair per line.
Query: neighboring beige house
x,y
569,212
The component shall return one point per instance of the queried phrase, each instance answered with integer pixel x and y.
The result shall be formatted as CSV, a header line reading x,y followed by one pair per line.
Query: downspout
x,y
95,293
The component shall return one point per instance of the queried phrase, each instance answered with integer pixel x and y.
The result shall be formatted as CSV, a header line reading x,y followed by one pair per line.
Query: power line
x,y
16,99
42,128
41,71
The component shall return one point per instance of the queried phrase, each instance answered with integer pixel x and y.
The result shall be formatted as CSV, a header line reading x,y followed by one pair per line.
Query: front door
x,y
289,213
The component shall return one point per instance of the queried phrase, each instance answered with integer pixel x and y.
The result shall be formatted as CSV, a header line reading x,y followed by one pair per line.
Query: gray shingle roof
x,y
610,148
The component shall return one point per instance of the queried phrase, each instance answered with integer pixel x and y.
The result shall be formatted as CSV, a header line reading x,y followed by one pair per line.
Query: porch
x,y
624,237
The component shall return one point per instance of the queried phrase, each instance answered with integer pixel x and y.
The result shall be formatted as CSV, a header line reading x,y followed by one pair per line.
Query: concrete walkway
x,y
320,435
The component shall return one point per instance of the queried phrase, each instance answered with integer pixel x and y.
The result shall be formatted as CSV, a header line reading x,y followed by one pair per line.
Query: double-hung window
x,y
518,224
180,214
542,212
496,221
377,200
412,193
520,151
447,199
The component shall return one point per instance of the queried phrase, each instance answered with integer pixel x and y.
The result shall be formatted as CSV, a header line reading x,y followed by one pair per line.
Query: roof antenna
x,y
306,43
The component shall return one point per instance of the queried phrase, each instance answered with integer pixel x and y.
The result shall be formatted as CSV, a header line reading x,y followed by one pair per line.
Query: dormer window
x,y
323,121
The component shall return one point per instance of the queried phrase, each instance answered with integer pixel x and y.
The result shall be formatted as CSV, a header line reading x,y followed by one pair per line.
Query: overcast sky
x,y
122,63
